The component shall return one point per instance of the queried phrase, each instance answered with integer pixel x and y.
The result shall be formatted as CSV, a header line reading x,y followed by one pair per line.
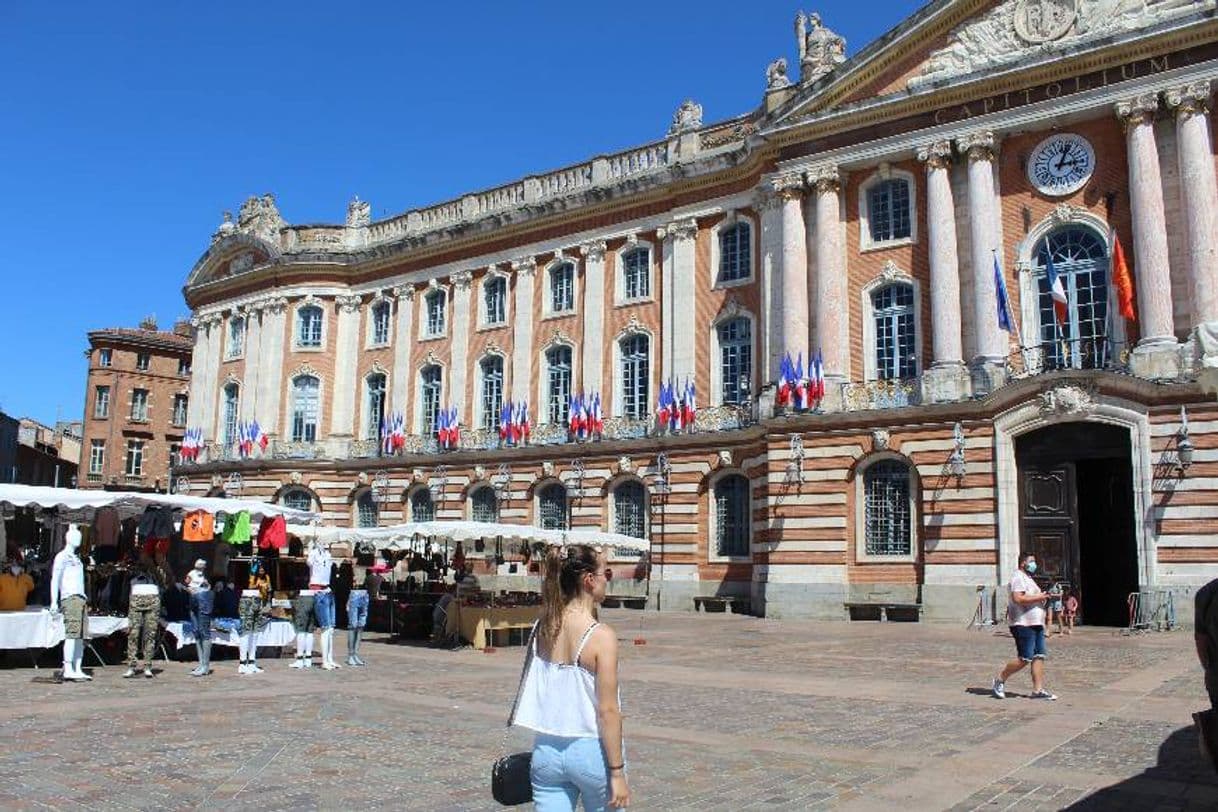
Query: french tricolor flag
x,y
1061,304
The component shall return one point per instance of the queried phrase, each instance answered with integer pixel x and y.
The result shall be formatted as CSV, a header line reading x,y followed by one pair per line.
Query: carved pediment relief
x,y
304,369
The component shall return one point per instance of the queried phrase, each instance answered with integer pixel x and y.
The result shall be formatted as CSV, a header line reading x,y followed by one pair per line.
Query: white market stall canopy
x,y
400,536
74,500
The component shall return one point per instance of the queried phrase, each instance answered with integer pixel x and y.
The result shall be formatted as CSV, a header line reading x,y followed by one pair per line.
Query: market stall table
x,y
278,633
37,628
473,622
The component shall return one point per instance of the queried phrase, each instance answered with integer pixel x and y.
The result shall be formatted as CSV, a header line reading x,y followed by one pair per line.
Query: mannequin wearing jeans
x,y
357,618
320,564
201,603
68,598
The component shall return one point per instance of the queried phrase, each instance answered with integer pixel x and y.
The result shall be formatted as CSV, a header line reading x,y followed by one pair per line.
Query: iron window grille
x,y
552,507
297,499
484,507
732,516
422,509
630,509
367,514
888,515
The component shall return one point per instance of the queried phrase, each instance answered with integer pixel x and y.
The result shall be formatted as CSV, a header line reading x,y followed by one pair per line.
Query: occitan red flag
x,y
1122,280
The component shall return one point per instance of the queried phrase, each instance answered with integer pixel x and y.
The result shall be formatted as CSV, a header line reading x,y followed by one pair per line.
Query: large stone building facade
x,y
874,211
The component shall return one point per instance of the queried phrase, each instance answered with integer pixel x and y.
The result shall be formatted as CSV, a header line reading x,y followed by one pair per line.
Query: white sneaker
x,y
297,663
1043,694
308,662
999,689
129,673
254,669
351,661
244,669
331,666
148,672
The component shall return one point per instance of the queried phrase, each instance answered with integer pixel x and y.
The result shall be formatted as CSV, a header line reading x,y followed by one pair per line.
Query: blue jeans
x,y
566,769
323,609
200,613
357,609
1029,642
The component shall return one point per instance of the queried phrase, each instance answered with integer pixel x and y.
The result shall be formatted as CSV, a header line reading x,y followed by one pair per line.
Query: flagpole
x,y
1023,351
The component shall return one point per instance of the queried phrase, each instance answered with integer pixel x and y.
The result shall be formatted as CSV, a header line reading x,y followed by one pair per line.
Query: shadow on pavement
x,y
1180,779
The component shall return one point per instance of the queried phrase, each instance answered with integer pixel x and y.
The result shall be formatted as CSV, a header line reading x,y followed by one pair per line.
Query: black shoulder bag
x,y
511,784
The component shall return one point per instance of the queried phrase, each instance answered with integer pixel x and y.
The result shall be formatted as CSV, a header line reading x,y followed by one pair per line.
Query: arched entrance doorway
x,y
1077,514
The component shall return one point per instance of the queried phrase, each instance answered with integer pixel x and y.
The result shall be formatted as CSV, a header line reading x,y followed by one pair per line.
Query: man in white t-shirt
x,y
1026,617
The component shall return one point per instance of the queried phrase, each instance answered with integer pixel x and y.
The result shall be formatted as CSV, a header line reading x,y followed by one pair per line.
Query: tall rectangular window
x,y
306,391
135,458
635,371
376,405
236,337
732,516
636,274
180,403
232,395
892,308
562,288
380,323
183,366
492,392
734,260
432,383
888,520
101,402
435,313
142,361
308,326
888,210
558,388
139,405
175,455
735,358
495,295
105,357
97,456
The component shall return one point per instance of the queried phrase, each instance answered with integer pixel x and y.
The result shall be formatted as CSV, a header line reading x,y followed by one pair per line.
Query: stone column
x,y
522,333
211,377
253,346
1192,106
270,375
403,341
982,221
679,332
592,376
832,307
790,190
946,379
198,369
346,362
460,344
770,244
1155,355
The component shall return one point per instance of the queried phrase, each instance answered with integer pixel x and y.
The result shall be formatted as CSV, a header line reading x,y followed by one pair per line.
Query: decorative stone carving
x,y
1138,109
404,293
1190,99
433,284
723,459
226,227
377,369
1068,399
359,213
788,185
559,338
824,179
361,478
241,263
462,279
634,327
880,439
679,229
688,118
776,75
593,251
275,305
978,146
547,469
890,272
493,348
479,472
525,266
731,307
430,359
936,155
216,480
259,216
625,465
1065,213
1044,20
348,304
304,369
820,50
295,478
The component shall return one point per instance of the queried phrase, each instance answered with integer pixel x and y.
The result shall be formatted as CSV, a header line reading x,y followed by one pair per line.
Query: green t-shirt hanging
x,y
237,529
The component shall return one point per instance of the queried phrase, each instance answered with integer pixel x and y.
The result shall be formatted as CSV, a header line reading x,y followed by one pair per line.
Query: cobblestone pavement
x,y
722,712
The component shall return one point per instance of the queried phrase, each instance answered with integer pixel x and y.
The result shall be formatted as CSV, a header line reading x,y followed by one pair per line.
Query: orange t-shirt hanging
x,y
198,525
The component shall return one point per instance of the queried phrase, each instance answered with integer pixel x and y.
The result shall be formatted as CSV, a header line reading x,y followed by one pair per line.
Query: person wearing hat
x,y
201,604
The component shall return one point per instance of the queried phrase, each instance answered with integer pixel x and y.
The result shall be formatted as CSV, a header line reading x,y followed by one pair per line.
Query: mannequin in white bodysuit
x,y
68,597
320,564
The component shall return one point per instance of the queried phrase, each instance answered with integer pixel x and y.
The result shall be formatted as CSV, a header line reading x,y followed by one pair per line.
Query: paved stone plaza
x,y
722,712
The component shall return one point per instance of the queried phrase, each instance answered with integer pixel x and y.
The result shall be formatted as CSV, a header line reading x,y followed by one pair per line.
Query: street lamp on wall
x,y
795,464
956,466
1184,446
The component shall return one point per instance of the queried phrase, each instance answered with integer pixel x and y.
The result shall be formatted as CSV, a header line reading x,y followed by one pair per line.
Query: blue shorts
x,y
323,609
357,609
1029,642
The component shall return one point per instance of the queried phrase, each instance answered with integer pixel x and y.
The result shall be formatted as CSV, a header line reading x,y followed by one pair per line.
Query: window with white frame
x,y
142,361
735,261
366,513
735,358
374,386
431,384
183,366
105,357
635,376
380,324
308,326
306,403
483,505
434,307
552,507
887,518
135,458
232,396
422,509
558,384
636,273
562,287
139,405
630,509
181,404
97,456
732,512
494,298
888,210
175,455
892,313
236,337
492,391
297,499
101,402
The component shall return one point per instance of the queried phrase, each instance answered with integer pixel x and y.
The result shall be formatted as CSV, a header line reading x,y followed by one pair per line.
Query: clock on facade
x,y
1061,164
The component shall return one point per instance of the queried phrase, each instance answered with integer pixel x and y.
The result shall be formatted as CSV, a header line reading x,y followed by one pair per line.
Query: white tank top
x,y
558,699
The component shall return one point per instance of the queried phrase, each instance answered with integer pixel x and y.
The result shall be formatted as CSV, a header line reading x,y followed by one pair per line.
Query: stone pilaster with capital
x,y
403,342
593,251
788,186
342,400
593,350
990,360
832,308
347,303
679,319
462,279
525,266
793,271
1200,211
936,155
946,380
978,146
1191,99
1140,109
525,270
824,180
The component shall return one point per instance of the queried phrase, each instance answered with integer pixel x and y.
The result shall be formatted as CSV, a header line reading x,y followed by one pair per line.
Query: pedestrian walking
x,y
569,694
1026,617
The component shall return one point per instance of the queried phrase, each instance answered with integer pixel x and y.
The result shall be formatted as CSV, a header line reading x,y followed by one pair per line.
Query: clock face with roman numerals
x,y
1061,164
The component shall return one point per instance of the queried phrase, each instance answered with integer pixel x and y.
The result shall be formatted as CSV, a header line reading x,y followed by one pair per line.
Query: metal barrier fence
x,y
1151,610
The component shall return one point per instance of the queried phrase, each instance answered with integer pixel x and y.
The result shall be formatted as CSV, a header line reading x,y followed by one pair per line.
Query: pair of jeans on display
x,y
357,618
323,609
564,770
201,605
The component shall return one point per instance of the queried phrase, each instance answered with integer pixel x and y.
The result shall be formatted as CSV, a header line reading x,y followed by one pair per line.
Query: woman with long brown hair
x,y
569,694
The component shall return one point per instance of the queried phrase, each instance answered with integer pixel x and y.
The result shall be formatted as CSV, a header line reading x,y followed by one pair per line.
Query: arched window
x,y
735,358
732,513
431,384
380,324
888,520
630,509
562,288
494,291
492,391
636,274
552,507
297,499
308,326
232,396
434,303
892,311
734,260
888,215
375,394
483,506
558,384
635,376
306,391
1074,334
236,337
422,509
366,512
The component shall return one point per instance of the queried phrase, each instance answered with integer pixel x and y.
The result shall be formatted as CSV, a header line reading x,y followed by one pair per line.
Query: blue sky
x,y
130,127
